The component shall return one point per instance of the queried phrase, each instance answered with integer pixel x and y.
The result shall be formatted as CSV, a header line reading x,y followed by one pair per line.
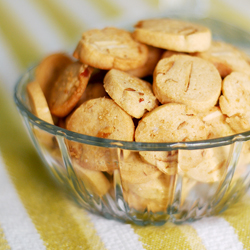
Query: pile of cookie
x,y
166,81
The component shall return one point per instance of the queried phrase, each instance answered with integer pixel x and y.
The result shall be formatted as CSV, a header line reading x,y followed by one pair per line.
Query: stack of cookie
x,y
166,81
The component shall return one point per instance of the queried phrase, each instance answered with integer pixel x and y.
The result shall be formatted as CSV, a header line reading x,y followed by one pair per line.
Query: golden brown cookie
x,y
154,55
69,88
216,123
235,101
132,94
92,91
135,170
204,165
94,181
154,195
39,108
110,48
169,123
226,58
38,103
188,80
103,118
173,34
49,69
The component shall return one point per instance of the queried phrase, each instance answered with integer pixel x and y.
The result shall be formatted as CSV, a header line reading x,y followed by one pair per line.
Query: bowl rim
x,y
109,143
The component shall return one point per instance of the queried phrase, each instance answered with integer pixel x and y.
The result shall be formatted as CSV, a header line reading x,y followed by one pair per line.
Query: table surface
x,y
34,213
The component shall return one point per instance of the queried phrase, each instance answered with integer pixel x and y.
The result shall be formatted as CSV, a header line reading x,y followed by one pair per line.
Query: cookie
x,y
235,102
169,123
188,80
110,48
49,69
204,165
173,35
215,122
39,108
154,55
103,118
94,181
69,88
154,195
226,58
135,170
132,94
38,103
92,91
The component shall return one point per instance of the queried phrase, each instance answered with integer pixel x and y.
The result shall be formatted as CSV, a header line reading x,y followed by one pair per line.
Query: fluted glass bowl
x,y
140,194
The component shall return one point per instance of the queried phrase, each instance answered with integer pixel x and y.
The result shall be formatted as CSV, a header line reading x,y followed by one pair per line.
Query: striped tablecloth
x,y
34,213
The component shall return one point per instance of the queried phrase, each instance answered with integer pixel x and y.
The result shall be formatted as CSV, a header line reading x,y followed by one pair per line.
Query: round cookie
x,y
38,103
135,170
169,123
154,55
69,88
189,80
39,108
49,69
235,101
226,58
132,94
110,48
216,123
204,165
153,195
95,181
173,34
103,118
92,91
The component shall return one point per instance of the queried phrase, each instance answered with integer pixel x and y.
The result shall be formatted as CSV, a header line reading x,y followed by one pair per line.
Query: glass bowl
x,y
140,194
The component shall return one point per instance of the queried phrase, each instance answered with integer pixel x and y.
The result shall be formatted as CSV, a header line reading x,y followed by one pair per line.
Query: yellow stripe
x,y
166,237
238,215
86,226
17,37
3,242
107,8
194,240
43,201
66,21
223,11
154,3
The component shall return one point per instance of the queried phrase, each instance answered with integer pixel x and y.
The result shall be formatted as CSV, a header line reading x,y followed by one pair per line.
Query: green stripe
x,y
42,199
153,3
223,11
3,242
67,23
107,8
18,38
165,237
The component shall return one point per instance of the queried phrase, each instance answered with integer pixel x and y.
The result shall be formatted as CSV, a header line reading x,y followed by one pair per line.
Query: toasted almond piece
x,y
226,58
173,34
69,88
188,80
135,170
103,118
132,94
49,69
110,48
235,101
